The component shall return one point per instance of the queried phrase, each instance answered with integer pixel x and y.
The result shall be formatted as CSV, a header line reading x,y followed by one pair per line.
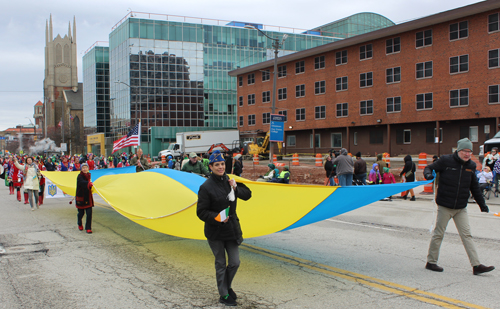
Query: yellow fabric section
x,y
144,195
162,204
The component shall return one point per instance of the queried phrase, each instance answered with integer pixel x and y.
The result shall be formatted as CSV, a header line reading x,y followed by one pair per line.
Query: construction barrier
x,y
163,159
428,188
319,160
336,180
295,159
275,159
255,159
279,164
387,159
422,160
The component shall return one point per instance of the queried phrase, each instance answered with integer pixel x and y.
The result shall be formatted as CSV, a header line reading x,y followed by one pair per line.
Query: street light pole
x,y
276,45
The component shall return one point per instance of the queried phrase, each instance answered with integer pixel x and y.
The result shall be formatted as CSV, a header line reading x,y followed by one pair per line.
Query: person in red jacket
x,y
84,200
17,180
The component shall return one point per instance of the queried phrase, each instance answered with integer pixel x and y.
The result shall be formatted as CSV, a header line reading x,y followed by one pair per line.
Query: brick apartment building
x,y
389,90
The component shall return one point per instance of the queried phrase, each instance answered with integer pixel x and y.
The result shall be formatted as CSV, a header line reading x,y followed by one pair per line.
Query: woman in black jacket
x,y
409,173
329,168
217,208
84,200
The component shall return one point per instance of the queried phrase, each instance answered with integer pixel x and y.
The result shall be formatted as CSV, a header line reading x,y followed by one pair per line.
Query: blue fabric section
x,y
189,180
96,174
346,199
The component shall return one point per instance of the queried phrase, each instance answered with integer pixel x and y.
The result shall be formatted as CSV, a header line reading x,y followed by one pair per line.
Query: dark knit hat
x,y
358,154
464,143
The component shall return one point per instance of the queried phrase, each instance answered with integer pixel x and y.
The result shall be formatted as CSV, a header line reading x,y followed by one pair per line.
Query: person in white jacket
x,y
31,182
485,177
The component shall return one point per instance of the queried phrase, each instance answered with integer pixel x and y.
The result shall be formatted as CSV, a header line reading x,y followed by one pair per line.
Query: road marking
x,y
387,286
364,225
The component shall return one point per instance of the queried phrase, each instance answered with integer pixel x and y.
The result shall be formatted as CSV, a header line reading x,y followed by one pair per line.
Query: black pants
x,y
225,272
88,212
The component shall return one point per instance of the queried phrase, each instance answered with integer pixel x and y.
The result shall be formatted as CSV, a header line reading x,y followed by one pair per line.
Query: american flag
x,y
71,117
133,138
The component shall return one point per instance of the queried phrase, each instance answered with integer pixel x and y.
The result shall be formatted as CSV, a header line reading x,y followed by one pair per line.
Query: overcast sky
x,y
22,30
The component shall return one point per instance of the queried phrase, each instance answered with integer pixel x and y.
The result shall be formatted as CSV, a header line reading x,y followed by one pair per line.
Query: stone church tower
x,y
63,100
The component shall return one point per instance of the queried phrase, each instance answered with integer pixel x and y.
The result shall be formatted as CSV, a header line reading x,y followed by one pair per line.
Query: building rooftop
x,y
430,20
39,103
75,98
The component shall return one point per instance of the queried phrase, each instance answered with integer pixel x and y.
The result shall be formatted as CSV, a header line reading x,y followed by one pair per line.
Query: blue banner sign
x,y
277,128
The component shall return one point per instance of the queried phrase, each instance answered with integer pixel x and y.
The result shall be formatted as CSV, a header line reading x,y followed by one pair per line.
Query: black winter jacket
x,y
212,199
409,166
456,179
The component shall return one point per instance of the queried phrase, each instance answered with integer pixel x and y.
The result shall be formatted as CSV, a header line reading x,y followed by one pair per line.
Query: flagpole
x,y
70,138
139,142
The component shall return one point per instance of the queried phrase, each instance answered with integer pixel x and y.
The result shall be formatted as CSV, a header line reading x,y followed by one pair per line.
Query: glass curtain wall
x,y
355,25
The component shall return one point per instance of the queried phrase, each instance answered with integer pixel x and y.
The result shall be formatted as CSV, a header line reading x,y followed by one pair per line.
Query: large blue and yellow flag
x,y
165,200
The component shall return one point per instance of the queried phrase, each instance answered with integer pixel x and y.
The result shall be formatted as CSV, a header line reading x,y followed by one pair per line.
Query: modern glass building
x,y
174,74
356,24
96,99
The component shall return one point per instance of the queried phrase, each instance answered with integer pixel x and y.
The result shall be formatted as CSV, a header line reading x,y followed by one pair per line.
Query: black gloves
x,y
484,208
429,176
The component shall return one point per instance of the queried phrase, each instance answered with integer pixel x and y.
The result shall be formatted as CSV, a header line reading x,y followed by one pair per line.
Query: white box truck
x,y
200,142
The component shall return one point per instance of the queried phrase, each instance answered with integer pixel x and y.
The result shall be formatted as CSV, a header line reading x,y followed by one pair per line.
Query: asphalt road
x,y
373,257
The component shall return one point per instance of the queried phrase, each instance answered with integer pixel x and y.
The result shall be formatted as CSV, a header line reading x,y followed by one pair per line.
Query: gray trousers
x,y
462,223
32,193
225,272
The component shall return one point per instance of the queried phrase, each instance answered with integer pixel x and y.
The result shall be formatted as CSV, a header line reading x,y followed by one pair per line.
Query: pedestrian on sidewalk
x,y
360,168
457,179
217,208
345,168
409,173
328,165
83,199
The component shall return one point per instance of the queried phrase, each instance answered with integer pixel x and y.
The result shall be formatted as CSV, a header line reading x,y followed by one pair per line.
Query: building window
x,y
241,121
290,140
423,38
317,140
300,67
240,101
266,118
341,57
431,135
266,96
459,97
366,107
493,22
493,96
320,112
393,45
394,105
365,52
423,69
493,58
424,101
341,83
355,138
459,30
300,91
300,114
282,71
251,120
320,87
459,64
393,75
281,94
336,140
251,99
342,110
473,134
403,136
266,75
319,62
366,79
251,78
284,113
240,81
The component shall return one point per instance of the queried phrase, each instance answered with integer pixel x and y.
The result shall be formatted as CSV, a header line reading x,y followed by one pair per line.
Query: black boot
x,y
479,269
434,267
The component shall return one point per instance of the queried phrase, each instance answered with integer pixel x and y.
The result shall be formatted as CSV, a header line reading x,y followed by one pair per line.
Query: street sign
x,y
277,128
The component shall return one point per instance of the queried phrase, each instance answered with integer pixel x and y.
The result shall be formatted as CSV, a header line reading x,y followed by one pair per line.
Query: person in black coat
x,y
238,166
409,173
329,169
83,199
457,177
223,233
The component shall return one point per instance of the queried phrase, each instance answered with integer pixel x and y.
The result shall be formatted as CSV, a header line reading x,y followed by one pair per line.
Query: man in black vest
x,y
457,177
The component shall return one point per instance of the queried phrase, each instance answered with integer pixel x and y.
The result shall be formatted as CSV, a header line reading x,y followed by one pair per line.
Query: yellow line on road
x,y
387,286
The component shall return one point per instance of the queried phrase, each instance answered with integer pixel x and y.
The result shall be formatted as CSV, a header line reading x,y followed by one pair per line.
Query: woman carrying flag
x,y
217,208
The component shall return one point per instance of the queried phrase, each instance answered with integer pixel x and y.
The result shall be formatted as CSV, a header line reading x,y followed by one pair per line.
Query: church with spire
x,y
63,95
